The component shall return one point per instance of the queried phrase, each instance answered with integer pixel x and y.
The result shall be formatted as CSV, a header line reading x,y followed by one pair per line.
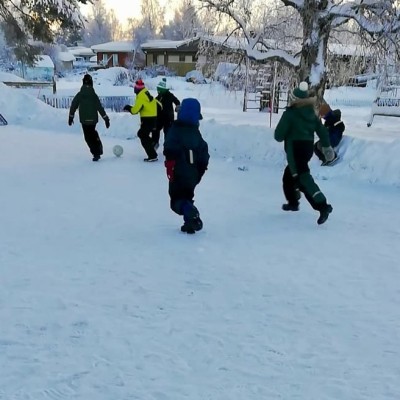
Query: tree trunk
x,y
316,30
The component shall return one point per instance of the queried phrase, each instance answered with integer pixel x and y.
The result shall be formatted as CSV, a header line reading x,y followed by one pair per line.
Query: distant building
x,y
65,60
117,54
42,70
177,55
81,52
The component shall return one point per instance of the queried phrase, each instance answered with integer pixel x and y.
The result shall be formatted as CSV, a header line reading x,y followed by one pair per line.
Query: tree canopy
x,y
26,21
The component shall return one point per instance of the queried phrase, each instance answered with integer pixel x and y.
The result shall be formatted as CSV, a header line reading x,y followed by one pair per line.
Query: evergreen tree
x,y
26,21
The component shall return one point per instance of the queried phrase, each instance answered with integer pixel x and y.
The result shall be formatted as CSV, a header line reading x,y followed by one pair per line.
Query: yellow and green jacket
x,y
145,105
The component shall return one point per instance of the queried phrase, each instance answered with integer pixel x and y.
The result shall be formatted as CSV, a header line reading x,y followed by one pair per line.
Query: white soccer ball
x,y
118,150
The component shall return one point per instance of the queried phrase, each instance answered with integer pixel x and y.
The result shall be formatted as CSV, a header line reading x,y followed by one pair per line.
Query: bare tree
x,y
117,32
152,16
184,24
98,27
318,18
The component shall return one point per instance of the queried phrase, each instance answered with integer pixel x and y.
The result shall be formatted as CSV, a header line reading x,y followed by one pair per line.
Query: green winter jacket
x,y
299,122
89,105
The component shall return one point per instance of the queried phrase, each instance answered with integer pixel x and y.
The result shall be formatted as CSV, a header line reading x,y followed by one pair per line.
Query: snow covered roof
x,y
234,42
349,49
9,77
44,61
125,46
80,51
165,44
66,56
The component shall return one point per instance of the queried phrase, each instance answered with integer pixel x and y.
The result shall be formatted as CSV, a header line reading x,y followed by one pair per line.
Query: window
x,y
181,58
115,60
173,58
160,59
189,59
105,58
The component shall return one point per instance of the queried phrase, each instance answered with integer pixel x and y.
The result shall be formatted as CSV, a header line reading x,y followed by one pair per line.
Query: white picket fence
x,y
112,103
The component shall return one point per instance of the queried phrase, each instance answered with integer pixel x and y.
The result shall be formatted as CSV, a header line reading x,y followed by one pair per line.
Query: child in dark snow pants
x,y
89,106
186,160
296,129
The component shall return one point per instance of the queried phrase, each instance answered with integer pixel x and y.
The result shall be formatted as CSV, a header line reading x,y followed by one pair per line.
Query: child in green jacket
x,y
296,129
89,106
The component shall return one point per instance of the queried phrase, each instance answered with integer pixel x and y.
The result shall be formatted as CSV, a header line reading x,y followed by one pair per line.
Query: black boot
x,y
324,213
193,223
290,207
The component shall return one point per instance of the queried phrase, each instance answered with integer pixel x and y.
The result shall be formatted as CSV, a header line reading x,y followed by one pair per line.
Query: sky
x,y
125,9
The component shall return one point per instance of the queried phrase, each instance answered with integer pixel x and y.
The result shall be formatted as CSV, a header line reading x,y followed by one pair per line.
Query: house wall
x,y
179,61
120,60
44,74
66,65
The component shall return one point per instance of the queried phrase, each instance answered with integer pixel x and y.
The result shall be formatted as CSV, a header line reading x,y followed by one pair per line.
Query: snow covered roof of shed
x,y
44,61
121,46
66,56
349,49
80,51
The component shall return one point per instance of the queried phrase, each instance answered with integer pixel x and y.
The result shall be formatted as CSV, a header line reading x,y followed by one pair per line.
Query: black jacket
x,y
186,146
167,100
89,106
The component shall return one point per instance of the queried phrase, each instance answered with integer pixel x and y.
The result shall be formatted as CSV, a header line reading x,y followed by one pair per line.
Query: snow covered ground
x,y
104,298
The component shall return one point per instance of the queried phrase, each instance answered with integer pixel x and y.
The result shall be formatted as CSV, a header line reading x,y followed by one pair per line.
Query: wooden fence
x,y
112,103
26,84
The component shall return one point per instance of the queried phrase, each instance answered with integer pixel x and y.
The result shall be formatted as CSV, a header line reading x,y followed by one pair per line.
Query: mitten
x,y
177,108
70,120
107,121
170,166
127,108
328,153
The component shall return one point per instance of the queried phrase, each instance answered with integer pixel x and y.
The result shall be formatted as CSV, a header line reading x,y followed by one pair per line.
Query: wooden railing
x,y
26,84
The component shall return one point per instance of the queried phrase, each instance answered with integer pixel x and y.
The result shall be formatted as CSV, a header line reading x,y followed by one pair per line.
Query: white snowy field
x,y
104,298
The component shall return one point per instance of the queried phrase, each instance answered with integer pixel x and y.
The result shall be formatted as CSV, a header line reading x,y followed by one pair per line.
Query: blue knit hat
x,y
190,111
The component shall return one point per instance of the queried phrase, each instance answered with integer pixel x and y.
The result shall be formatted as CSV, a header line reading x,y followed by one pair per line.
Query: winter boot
x,y
96,158
324,213
332,162
290,207
150,159
191,216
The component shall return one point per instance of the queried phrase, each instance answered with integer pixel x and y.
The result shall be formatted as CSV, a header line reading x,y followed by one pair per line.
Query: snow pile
x,y
8,77
20,108
366,153
115,76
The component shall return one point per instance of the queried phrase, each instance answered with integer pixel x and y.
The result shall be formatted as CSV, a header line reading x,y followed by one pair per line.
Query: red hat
x,y
139,85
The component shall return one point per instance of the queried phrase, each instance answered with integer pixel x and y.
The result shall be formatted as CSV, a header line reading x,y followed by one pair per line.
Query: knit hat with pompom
x,y
162,85
301,92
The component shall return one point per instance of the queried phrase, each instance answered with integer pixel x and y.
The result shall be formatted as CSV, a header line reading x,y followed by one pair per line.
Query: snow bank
x,y
9,77
366,153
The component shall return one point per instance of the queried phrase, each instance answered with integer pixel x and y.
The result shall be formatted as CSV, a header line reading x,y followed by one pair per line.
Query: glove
x,y
127,108
70,120
170,166
177,108
328,153
107,122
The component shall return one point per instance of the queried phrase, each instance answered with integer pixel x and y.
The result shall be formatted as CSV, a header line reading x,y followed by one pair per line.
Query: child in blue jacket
x,y
335,128
186,161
